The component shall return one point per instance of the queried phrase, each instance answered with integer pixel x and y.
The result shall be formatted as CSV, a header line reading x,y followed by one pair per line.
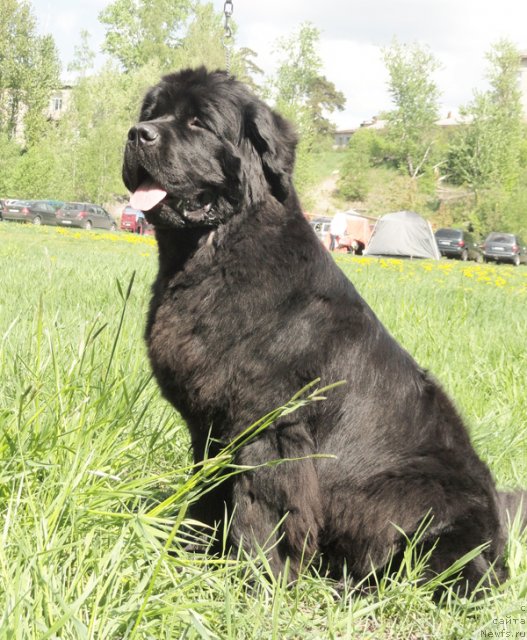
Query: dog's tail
x,y
512,505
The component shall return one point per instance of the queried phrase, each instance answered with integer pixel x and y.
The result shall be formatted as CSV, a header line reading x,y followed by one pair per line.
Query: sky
x,y
353,33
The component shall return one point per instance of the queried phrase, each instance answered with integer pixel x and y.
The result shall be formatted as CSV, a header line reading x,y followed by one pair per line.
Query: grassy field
x,y
95,474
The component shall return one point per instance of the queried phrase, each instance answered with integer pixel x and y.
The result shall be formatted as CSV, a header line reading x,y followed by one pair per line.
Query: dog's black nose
x,y
143,133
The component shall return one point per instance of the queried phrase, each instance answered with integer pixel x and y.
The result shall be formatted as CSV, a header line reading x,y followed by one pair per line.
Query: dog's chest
x,y
190,335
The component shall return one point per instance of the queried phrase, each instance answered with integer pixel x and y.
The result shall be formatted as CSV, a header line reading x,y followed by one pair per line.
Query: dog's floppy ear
x,y
274,140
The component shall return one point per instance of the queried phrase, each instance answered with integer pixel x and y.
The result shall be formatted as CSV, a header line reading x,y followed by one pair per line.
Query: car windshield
x,y
448,233
505,238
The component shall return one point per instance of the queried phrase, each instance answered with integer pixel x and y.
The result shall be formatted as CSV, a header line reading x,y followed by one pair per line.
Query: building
x,y
342,137
59,102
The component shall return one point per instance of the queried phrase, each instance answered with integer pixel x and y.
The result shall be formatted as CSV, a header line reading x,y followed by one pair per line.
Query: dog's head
x,y
205,148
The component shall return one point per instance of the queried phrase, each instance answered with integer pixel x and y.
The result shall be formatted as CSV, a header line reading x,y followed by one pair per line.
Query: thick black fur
x,y
248,307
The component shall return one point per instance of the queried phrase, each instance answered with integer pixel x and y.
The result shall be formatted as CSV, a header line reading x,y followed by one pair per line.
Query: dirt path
x,y
322,196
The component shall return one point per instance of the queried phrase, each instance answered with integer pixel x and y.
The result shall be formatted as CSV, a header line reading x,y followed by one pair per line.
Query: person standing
x,y
337,229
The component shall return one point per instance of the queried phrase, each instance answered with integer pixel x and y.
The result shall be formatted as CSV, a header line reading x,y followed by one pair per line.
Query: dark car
x,y
504,247
34,211
85,215
134,220
55,203
457,243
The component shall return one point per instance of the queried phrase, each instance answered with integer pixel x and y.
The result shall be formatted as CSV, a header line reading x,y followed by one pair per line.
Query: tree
x,y
304,96
486,152
41,172
139,31
299,84
43,76
353,183
415,96
9,155
104,107
29,71
206,25
83,56
80,156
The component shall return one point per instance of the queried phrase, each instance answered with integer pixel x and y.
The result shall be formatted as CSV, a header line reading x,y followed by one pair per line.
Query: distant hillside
x,y
388,190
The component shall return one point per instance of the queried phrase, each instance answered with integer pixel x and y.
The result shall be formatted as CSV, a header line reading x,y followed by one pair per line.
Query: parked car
x,y
134,220
457,243
321,227
57,204
34,211
85,215
504,247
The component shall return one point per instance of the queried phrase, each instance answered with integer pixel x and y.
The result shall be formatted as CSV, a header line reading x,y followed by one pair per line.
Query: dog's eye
x,y
195,123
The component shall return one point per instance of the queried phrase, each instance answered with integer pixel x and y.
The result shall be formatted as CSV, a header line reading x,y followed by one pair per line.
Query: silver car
x,y
504,247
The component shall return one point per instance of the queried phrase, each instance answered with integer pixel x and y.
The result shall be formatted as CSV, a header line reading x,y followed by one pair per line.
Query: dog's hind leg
x,y
277,502
461,538
512,504
364,526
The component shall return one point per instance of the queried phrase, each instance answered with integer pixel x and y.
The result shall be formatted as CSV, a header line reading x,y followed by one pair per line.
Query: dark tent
x,y
404,234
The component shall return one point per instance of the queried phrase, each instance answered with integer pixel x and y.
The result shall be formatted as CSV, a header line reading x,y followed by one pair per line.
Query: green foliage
x,y
104,106
502,210
299,66
38,173
304,174
139,31
486,152
392,190
80,157
473,173
205,25
29,71
9,155
370,165
83,56
304,96
353,183
298,83
43,78
172,35
322,100
514,217
415,96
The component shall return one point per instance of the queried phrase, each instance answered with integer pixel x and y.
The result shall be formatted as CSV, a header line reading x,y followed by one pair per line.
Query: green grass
x,y
327,161
95,474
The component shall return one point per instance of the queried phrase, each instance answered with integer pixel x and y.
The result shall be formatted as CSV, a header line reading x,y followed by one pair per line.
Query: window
x,y
56,103
451,234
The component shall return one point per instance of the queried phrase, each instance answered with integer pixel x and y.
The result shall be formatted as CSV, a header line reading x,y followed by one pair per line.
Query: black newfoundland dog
x,y
248,308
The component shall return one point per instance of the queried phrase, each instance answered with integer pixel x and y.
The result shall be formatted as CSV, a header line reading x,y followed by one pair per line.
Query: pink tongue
x,y
147,195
